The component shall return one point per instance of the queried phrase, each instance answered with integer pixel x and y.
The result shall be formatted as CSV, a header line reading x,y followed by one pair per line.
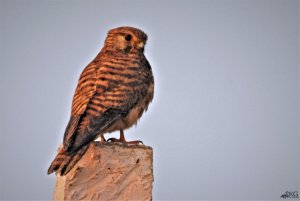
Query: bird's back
x,y
116,83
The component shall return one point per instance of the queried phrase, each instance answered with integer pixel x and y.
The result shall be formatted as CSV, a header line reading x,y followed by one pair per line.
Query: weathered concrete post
x,y
109,171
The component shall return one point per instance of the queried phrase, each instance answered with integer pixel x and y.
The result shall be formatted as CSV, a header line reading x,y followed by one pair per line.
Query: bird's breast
x,y
136,112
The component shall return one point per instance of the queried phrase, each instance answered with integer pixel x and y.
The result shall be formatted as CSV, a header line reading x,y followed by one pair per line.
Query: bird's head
x,y
126,39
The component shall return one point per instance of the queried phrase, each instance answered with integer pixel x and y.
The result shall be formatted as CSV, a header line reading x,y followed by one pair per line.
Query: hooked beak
x,y
141,45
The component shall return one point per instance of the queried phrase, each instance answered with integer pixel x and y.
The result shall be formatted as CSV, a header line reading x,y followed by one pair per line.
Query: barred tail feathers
x,y
64,162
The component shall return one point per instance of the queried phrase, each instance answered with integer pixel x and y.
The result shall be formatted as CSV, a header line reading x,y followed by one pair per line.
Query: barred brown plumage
x,y
113,92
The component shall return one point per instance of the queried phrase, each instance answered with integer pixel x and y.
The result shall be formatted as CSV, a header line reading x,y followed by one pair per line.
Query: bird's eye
x,y
127,37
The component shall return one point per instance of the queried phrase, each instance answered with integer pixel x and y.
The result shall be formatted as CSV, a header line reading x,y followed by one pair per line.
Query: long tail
x,y
64,162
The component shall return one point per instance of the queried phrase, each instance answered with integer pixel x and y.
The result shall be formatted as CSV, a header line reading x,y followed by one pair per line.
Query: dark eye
x,y
127,37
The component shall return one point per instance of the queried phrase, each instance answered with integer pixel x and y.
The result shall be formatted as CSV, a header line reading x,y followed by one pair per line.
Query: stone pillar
x,y
109,171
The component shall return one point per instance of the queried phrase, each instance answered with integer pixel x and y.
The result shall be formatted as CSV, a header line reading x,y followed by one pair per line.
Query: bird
x,y
113,92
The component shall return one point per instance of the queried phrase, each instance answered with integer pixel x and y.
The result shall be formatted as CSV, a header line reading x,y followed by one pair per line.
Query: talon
x,y
135,142
113,140
123,140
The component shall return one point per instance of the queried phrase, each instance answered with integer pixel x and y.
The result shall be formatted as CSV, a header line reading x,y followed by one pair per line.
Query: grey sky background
x,y
224,123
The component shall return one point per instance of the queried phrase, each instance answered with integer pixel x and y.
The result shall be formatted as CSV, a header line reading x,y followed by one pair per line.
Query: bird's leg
x,y
122,136
123,140
102,138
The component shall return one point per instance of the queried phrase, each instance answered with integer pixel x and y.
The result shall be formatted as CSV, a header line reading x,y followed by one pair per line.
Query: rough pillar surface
x,y
109,171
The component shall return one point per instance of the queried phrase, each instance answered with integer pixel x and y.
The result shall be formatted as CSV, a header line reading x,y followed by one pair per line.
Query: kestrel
x,y
113,92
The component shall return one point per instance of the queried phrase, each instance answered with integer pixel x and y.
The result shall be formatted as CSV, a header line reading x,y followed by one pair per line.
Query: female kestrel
x,y
113,92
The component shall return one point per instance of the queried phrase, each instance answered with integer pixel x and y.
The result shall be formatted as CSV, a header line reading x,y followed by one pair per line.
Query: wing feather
x,y
83,93
94,107
95,125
